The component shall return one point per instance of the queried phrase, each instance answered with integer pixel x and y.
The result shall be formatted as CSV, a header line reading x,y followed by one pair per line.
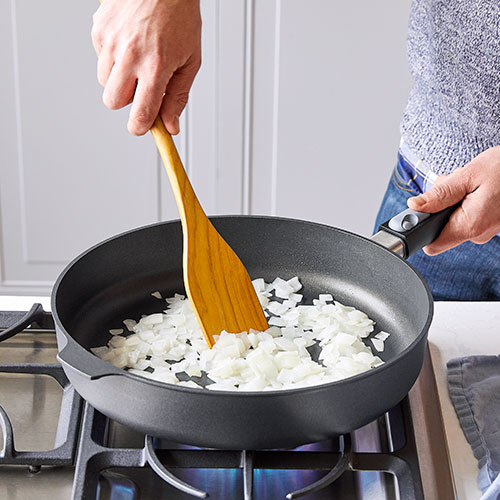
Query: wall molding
x,y
246,184
275,116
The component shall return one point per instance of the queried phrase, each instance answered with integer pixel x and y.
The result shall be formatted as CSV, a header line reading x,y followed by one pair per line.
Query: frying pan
x,y
114,280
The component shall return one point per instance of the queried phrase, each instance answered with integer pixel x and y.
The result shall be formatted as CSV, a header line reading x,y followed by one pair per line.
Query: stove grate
x,y
94,458
63,453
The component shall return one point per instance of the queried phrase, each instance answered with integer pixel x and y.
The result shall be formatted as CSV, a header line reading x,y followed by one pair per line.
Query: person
x,y
450,151
149,52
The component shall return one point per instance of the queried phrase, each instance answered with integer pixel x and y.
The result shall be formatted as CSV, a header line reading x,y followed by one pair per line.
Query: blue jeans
x,y
466,272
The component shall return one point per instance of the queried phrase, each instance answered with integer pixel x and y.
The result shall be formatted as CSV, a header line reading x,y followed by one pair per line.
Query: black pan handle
x,y
13,322
409,231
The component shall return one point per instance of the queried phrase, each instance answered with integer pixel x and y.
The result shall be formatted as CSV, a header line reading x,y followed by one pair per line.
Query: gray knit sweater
x,y
453,112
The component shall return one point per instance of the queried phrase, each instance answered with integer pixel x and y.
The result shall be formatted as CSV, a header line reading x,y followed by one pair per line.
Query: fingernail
x,y
430,251
173,125
419,200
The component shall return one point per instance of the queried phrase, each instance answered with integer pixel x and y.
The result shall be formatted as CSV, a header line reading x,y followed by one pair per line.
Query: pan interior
x,y
114,280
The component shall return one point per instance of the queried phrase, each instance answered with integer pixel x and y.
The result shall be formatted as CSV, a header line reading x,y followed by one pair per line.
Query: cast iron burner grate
x,y
94,458
63,453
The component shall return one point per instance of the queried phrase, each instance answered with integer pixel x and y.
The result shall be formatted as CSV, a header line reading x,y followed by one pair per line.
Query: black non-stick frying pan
x,y
114,280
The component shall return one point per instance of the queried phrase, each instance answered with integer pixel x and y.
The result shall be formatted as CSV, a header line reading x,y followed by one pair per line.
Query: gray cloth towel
x,y
474,387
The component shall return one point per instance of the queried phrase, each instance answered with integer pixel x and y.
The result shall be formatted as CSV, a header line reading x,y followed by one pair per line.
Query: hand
x,y
477,219
149,53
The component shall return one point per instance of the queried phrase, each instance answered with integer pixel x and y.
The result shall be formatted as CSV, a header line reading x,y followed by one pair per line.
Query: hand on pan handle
x,y
149,53
477,186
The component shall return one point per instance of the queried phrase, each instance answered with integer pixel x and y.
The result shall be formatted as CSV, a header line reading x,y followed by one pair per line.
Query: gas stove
x,y
56,446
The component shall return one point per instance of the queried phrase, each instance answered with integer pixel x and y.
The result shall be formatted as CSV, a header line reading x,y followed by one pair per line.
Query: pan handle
x,y
409,231
84,363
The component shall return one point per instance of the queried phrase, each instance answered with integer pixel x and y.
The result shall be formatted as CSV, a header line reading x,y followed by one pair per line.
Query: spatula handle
x,y
186,199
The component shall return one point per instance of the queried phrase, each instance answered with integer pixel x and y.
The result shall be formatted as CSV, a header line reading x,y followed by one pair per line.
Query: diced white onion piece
x,y
344,339
277,308
117,341
296,297
130,324
142,364
133,340
193,370
99,351
295,284
147,335
382,336
120,361
259,285
257,384
152,319
277,321
286,359
264,302
378,344
325,297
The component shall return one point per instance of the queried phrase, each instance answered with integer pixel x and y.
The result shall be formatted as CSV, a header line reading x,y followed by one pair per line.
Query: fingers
x,y
146,92
476,220
105,64
96,41
456,231
176,97
146,106
119,88
446,191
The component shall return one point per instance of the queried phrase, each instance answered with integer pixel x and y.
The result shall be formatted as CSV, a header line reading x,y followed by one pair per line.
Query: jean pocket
x,y
406,178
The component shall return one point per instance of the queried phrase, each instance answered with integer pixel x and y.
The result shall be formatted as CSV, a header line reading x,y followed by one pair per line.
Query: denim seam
x,y
399,186
401,180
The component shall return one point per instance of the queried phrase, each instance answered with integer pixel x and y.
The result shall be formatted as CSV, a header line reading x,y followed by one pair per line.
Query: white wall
x,y
295,112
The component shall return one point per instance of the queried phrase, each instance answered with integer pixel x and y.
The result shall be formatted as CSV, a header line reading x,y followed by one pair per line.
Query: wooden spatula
x,y
217,284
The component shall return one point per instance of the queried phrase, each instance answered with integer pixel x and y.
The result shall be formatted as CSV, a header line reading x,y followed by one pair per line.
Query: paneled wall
x,y
295,112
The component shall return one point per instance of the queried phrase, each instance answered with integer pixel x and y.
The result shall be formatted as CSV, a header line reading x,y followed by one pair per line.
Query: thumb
x,y
446,191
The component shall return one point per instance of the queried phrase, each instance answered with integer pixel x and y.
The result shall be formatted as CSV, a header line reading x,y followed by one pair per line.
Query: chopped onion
x,y
382,336
378,344
162,346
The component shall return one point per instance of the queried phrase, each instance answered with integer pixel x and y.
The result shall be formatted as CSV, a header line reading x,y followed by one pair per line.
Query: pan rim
x,y
114,371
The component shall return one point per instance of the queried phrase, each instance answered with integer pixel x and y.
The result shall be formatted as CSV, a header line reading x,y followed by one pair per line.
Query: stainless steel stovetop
x,y
409,440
